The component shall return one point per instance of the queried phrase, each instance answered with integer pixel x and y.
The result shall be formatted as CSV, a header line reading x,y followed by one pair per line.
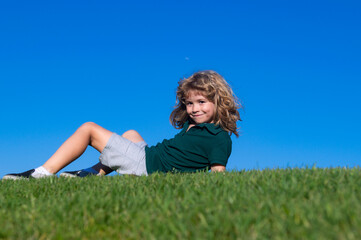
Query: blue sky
x,y
296,66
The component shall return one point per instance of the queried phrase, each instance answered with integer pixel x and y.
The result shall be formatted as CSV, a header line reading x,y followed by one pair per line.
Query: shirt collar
x,y
211,127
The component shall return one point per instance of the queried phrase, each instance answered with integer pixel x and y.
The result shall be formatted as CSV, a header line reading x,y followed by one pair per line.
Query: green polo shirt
x,y
196,149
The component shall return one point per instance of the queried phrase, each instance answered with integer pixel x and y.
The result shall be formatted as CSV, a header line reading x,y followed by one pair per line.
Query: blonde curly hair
x,y
213,87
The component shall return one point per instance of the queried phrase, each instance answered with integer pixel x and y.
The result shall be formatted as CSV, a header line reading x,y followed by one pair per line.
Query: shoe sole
x,y
9,177
68,175
22,178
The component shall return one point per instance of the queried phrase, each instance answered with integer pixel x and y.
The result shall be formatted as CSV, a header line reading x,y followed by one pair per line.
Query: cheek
x,y
188,109
210,108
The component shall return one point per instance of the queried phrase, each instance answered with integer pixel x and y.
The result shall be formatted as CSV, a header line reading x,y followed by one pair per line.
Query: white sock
x,y
41,172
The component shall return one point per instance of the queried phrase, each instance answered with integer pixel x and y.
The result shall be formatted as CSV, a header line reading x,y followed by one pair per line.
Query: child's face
x,y
199,108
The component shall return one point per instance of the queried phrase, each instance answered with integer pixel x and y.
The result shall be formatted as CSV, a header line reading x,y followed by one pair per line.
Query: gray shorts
x,y
124,156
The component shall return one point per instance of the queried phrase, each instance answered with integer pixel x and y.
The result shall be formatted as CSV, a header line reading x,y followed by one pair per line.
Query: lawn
x,y
306,203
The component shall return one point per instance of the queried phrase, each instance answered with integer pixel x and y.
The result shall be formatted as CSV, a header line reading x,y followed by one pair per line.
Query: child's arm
x,y
218,168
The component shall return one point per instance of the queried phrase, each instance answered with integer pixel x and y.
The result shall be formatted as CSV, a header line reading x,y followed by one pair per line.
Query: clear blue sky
x,y
296,66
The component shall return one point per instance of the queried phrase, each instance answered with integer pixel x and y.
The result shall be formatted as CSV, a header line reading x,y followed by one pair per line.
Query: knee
x,y
88,126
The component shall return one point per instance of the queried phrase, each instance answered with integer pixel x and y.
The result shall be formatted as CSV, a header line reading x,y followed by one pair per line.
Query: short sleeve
x,y
221,150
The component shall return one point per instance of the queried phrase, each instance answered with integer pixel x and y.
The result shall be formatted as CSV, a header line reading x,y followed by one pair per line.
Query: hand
x,y
218,168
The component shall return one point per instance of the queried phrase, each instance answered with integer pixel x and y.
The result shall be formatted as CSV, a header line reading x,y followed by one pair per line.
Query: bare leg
x,y
131,135
87,134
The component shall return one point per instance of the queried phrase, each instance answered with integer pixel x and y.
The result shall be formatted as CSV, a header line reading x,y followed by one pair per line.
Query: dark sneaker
x,y
15,176
79,173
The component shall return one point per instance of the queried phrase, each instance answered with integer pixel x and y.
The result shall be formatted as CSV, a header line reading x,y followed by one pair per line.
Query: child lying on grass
x,y
207,112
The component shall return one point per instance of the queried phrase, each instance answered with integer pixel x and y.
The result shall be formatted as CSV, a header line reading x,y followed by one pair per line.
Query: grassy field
x,y
270,204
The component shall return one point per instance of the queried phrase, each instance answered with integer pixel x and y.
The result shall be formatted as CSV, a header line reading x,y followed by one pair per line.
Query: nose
x,y
195,108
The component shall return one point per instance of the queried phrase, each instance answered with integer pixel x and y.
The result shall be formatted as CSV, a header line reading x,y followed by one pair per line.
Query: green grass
x,y
269,204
